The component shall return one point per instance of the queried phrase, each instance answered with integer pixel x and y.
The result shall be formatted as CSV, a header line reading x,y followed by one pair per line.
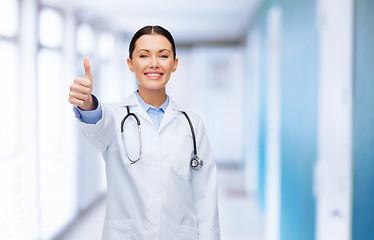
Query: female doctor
x,y
158,188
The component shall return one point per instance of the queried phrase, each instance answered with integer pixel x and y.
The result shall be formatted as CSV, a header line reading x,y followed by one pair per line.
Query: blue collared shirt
x,y
92,117
155,113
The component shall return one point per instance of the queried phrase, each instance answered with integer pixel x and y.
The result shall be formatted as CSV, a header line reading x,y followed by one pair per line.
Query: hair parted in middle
x,y
151,30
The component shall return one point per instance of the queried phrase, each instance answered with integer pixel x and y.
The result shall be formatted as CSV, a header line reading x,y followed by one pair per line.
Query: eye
x,y
143,56
164,56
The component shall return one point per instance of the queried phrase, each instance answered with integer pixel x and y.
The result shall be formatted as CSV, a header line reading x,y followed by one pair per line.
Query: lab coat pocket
x,y
187,233
117,230
182,169
181,149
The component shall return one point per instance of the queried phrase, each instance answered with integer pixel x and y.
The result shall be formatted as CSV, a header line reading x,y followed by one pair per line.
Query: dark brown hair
x,y
151,30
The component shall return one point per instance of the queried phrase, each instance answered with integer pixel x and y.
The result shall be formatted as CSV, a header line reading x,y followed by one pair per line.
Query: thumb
x,y
87,68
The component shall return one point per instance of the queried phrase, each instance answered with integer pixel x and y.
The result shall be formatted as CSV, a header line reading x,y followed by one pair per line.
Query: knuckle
x,y
87,82
87,91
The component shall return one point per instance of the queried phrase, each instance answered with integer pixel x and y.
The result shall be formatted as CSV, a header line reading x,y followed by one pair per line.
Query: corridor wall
x,y
297,81
334,159
255,98
326,156
49,174
363,122
298,118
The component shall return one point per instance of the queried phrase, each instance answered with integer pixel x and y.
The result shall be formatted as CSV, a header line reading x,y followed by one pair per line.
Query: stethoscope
x,y
196,163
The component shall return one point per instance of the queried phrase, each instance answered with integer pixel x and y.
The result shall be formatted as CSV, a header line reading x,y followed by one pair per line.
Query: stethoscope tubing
x,y
196,163
192,132
139,131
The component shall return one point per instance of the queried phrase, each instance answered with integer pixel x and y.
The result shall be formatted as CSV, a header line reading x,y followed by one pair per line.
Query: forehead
x,y
153,41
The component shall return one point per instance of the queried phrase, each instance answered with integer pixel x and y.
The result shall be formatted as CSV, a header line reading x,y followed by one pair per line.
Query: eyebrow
x,y
146,50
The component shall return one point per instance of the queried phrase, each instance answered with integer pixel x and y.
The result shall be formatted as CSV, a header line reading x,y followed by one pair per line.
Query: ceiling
x,y
190,21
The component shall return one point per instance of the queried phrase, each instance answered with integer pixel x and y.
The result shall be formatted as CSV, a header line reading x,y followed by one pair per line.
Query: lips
x,y
154,75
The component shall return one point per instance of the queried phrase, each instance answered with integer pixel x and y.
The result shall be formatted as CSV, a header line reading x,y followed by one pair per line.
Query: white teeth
x,y
154,75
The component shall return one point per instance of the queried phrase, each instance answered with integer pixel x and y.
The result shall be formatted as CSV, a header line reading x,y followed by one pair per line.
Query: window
x,y
57,166
9,123
51,28
9,18
85,40
106,46
49,71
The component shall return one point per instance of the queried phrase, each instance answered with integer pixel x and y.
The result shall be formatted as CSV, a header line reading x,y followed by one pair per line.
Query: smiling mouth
x,y
154,74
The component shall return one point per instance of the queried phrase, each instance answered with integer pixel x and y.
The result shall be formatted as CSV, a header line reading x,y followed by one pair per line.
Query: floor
x,y
239,215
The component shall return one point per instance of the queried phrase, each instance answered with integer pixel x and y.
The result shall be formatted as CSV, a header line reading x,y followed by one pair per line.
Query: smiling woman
x,y
153,60
158,188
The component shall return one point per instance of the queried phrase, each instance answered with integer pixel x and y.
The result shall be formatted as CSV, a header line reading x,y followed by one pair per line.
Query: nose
x,y
154,62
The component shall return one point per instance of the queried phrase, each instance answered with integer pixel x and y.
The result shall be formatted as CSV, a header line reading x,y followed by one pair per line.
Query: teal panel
x,y
299,100
260,24
262,126
363,122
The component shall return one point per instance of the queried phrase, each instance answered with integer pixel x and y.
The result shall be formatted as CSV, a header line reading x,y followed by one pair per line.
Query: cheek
x,y
138,68
137,65
168,67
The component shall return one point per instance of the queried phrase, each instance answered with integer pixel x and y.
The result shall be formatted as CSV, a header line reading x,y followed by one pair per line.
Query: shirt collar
x,y
147,106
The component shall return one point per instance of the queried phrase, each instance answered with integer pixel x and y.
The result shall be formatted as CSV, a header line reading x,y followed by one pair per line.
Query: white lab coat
x,y
160,196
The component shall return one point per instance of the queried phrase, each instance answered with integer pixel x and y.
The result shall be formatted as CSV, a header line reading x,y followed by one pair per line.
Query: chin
x,y
145,87
154,86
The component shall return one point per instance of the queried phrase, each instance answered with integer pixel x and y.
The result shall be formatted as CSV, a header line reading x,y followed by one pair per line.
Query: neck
x,y
153,97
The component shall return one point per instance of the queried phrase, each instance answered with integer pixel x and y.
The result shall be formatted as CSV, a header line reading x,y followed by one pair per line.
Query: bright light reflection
x,y
85,42
8,17
8,97
51,28
50,93
106,46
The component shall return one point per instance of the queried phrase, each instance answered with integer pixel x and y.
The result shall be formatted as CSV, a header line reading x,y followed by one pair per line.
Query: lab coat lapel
x,y
171,112
138,108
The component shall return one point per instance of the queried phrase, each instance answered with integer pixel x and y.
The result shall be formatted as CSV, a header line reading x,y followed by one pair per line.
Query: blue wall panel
x,y
363,121
260,25
299,78
262,130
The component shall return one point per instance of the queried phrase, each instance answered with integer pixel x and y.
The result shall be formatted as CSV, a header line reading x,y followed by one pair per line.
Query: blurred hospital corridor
x,y
285,89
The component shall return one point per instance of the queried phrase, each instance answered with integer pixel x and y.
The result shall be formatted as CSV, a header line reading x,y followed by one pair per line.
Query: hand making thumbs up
x,y
80,90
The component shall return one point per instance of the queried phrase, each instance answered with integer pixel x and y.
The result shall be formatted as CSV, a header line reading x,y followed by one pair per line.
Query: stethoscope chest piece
x,y
196,163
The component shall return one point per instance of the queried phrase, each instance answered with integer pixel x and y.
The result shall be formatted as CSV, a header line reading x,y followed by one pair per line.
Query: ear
x,y
175,65
131,66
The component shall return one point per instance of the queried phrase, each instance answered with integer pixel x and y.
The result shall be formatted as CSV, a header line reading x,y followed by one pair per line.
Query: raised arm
x,y
97,123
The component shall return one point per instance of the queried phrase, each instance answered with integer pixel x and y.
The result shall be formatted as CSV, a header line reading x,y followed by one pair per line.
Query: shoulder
x,y
194,117
119,106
